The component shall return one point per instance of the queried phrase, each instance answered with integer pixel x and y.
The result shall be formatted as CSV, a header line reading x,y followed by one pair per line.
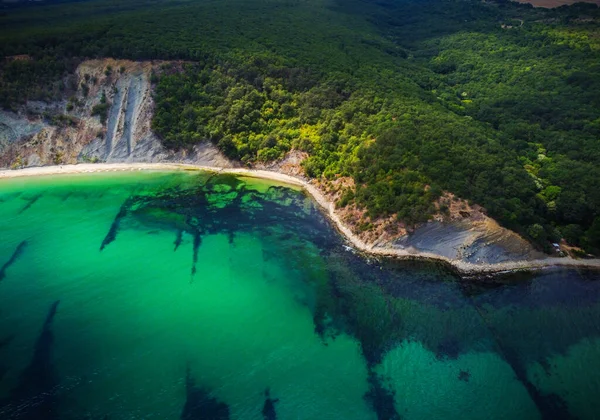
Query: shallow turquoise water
x,y
193,296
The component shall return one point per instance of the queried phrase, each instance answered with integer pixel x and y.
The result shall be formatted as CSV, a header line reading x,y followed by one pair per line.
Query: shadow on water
x,y
268,410
13,258
114,227
200,404
197,243
30,203
34,396
178,240
66,196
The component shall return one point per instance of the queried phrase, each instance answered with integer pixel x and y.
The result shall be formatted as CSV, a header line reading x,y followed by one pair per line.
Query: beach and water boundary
x,y
462,268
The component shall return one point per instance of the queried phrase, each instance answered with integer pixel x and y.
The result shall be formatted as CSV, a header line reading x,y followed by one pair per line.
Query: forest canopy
x,y
496,102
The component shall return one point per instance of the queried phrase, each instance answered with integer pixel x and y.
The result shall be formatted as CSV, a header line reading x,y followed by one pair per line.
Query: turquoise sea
x,y
187,295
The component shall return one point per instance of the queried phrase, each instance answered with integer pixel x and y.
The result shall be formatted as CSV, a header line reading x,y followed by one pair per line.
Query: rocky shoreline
x,y
461,267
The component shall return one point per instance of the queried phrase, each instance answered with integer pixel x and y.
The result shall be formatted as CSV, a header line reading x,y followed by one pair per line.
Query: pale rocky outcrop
x,y
66,132
463,232
13,127
477,242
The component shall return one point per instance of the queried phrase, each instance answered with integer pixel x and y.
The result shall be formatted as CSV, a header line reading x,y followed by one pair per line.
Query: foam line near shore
x,y
462,267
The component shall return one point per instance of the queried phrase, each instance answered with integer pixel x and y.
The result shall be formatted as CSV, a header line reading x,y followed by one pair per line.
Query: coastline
x,y
461,267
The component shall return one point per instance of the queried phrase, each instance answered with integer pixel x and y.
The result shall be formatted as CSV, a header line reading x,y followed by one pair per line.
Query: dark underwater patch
x,y
178,239
374,306
377,304
34,397
219,204
346,305
30,203
381,398
268,410
200,404
197,243
448,348
545,309
13,258
550,406
114,227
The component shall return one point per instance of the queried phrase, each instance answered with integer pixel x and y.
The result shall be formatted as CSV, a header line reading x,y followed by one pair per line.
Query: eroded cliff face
x,y
464,232
126,135
477,242
107,119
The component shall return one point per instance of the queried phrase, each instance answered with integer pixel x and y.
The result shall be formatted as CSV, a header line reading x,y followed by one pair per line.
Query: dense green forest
x,y
496,102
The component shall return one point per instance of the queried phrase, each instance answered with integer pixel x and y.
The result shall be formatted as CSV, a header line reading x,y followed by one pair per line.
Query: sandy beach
x,y
462,267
